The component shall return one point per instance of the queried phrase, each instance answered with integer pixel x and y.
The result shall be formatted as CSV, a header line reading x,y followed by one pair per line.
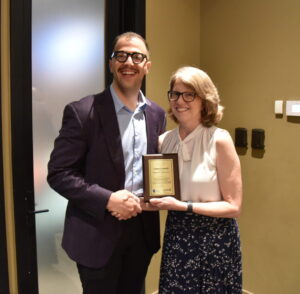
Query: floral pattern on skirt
x,y
200,255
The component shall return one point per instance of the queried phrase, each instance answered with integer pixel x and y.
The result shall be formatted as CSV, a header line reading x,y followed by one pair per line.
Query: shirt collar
x,y
119,104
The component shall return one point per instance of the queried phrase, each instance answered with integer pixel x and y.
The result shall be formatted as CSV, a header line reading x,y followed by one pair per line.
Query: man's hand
x,y
124,205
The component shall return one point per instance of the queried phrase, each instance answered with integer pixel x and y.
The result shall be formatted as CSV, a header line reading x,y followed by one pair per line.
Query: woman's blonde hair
x,y
200,82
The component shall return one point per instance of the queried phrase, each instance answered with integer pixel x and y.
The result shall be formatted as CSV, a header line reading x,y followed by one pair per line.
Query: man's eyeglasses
x,y
122,56
186,96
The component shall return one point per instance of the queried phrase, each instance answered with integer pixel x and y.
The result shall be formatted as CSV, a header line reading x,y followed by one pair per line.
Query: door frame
x,y
22,148
121,16
3,248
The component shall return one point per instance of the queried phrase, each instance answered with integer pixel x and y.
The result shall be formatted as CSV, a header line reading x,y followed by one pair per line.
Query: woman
x,y
201,251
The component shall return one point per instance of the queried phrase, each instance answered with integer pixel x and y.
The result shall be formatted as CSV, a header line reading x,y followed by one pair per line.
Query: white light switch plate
x,y
278,107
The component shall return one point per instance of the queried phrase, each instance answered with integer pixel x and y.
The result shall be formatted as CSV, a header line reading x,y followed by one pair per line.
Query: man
x,y
96,164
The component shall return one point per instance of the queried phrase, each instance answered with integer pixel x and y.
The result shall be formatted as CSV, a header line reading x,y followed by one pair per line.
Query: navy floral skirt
x,y
200,255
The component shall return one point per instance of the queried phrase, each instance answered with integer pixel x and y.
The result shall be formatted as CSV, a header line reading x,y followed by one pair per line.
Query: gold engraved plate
x,y
161,177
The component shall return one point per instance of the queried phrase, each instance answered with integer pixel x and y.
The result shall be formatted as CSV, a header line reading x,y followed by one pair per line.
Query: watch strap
x,y
189,207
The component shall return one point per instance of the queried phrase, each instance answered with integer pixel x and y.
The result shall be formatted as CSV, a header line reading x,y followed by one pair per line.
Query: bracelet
x,y
189,207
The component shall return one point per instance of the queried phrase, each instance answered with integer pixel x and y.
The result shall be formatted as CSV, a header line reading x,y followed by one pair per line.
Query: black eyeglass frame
x,y
178,94
131,54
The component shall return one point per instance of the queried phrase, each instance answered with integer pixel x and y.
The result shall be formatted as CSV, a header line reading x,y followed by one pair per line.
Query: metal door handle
x,y
38,211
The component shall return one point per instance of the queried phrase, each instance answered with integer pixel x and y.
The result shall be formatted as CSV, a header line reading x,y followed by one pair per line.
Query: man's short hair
x,y
129,35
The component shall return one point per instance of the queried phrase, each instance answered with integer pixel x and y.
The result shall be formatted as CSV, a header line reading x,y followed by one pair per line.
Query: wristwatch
x,y
189,207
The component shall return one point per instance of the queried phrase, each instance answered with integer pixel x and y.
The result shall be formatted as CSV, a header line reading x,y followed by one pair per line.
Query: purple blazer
x,y
86,166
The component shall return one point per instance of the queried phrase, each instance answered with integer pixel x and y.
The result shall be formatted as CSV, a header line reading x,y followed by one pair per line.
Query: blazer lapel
x,y
105,107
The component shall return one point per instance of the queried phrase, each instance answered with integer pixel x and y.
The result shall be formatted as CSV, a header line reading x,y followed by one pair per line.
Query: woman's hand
x,y
168,203
147,206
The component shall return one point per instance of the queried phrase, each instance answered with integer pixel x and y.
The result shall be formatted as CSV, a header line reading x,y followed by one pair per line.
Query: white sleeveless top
x,y
197,162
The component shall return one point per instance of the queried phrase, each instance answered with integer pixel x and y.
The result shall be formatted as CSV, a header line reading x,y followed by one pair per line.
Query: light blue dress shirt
x,y
132,127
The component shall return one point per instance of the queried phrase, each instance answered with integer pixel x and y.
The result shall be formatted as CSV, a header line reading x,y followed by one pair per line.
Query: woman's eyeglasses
x,y
186,96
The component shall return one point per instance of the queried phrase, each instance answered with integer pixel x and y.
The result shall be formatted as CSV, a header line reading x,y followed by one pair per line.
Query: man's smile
x,y
128,71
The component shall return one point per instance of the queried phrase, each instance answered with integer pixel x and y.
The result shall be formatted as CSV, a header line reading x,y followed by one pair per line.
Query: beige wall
x,y
173,33
251,50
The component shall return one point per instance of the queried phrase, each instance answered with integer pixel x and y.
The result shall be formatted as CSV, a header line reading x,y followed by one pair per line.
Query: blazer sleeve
x,y
66,167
